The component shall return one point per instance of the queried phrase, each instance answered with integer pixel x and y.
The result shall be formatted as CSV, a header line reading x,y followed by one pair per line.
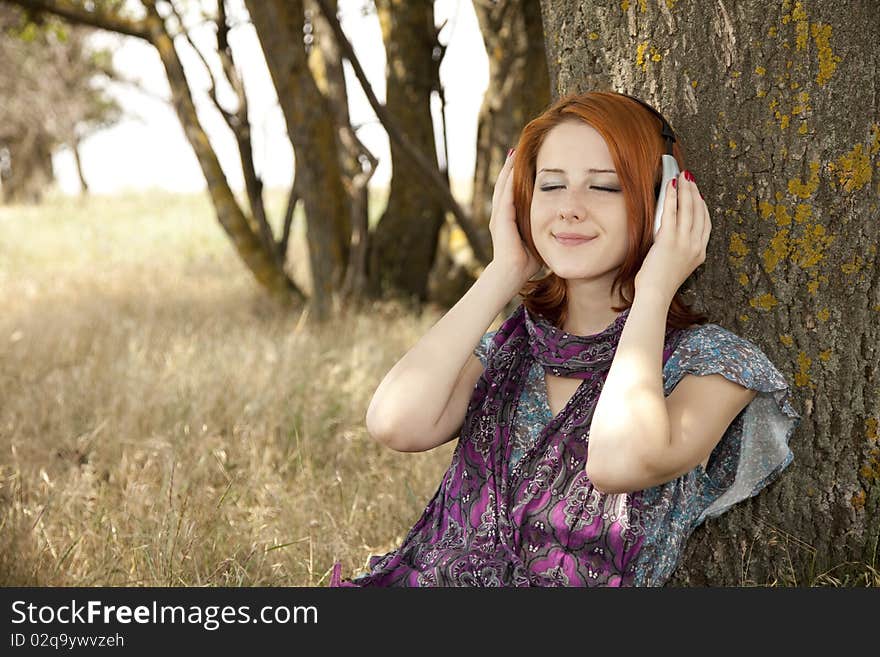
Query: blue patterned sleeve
x,y
755,448
485,347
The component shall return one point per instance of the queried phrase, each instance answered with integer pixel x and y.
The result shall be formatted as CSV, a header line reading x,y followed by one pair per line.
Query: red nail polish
x,y
674,183
689,176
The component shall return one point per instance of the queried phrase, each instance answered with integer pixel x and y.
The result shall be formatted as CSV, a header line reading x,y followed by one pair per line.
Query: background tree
x,y
149,24
51,98
776,105
518,89
405,239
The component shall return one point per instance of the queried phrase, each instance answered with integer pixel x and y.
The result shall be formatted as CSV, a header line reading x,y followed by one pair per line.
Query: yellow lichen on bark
x,y
641,62
871,469
764,302
802,212
823,315
858,500
852,266
802,376
809,249
737,249
825,356
853,169
875,139
871,429
801,27
777,251
827,59
786,339
805,189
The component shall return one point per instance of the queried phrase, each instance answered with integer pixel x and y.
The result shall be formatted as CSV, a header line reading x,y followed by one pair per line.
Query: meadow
x,y
163,424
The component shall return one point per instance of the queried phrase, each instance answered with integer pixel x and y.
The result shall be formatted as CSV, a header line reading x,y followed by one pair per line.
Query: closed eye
x,y
550,188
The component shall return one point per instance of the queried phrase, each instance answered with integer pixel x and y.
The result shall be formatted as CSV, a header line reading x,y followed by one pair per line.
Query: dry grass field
x,y
161,424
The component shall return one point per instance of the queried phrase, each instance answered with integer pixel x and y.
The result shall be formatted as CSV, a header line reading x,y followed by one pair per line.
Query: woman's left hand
x,y
680,244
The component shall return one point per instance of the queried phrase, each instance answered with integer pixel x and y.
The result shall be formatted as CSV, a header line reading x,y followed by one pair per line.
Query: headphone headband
x,y
666,131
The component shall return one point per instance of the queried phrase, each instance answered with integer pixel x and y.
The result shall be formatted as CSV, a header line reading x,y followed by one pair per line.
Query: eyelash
x,y
552,187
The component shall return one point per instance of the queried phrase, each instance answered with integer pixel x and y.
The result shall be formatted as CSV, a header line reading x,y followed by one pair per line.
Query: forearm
x,y
630,421
413,395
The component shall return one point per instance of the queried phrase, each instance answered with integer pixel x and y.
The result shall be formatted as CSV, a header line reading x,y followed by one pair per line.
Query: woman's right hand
x,y
509,252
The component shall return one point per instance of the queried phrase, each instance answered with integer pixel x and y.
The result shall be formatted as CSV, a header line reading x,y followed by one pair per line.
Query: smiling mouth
x,y
573,241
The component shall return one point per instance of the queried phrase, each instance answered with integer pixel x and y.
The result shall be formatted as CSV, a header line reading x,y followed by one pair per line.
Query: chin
x,y
571,272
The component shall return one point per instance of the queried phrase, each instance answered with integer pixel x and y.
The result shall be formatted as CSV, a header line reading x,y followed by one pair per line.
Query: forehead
x,y
574,146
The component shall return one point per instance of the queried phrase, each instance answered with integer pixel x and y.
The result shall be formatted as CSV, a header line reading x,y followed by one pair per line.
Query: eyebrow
x,y
585,171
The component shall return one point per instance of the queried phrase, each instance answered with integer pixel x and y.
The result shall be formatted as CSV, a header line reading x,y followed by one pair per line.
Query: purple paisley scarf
x,y
541,522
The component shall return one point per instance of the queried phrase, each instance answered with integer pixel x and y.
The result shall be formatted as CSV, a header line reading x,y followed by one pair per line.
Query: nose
x,y
571,207
569,213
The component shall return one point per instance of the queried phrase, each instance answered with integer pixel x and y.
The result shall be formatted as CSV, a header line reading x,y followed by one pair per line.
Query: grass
x,y
162,425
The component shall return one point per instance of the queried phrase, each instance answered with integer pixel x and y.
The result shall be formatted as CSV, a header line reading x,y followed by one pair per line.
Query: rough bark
x,y
776,106
310,126
405,240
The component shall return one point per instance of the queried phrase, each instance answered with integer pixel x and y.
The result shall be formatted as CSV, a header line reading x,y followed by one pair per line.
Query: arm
x,y
410,401
630,422
638,438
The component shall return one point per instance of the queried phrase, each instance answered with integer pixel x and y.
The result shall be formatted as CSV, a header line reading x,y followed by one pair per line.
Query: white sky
x,y
148,149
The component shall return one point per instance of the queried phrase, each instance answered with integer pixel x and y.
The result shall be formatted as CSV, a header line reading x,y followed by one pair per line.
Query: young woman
x,y
604,420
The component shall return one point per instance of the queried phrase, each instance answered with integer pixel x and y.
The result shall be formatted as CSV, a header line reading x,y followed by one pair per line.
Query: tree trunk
x,y
30,171
404,242
325,62
776,108
518,90
310,125
83,183
241,229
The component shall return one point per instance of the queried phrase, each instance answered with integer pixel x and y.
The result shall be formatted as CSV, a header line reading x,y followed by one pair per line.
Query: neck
x,y
589,307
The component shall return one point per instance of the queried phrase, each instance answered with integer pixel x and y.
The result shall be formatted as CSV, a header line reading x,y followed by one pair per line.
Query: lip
x,y
572,239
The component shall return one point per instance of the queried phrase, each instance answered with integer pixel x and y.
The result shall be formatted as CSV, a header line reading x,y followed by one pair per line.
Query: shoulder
x,y
713,349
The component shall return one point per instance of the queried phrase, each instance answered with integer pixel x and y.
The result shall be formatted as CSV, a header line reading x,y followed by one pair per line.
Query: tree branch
x,y
431,173
77,13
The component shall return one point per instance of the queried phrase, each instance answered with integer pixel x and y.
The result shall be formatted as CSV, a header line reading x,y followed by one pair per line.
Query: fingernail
x,y
509,152
674,182
689,176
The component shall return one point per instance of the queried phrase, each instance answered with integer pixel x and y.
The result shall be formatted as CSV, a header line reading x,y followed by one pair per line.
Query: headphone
x,y
670,165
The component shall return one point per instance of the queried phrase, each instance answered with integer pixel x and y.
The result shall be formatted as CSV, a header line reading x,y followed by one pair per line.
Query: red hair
x,y
633,135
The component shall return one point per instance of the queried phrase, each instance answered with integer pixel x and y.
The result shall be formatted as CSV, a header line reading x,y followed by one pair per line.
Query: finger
x,y
503,175
685,217
507,189
668,219
707,226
